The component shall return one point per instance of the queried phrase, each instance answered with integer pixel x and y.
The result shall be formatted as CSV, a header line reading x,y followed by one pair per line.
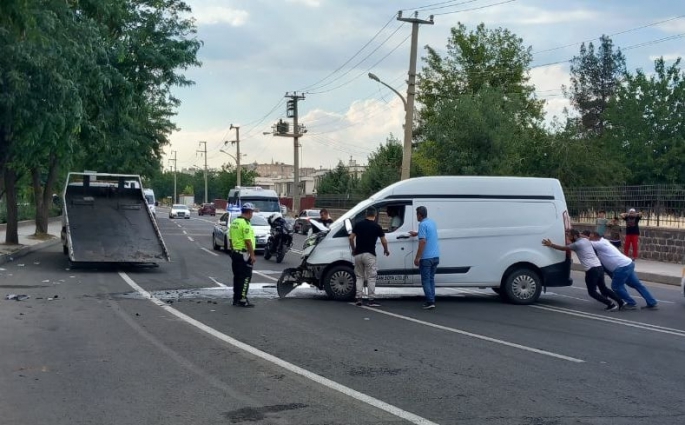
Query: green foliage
x,y
384,167
646,130
595,77
338,181
479,60
189,190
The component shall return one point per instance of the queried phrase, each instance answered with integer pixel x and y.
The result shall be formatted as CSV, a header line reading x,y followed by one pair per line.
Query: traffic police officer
x,y
243,245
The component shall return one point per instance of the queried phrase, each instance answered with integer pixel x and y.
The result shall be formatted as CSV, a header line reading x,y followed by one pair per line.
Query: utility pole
x,y
204,152
292,112
237,155
411,90
174,161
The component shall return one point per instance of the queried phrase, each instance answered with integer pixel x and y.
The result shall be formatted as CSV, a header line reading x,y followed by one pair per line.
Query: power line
x,y
609,35
365,71
474,8
358,63
352,57
429,7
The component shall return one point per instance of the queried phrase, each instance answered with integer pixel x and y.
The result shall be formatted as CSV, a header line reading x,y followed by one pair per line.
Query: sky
x,y
256,51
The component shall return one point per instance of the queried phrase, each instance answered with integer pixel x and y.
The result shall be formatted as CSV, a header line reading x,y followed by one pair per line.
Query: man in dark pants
x,y
242,255
594,272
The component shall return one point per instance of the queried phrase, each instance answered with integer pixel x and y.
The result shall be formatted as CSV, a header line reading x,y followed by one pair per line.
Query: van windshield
x,y
263,204
150,199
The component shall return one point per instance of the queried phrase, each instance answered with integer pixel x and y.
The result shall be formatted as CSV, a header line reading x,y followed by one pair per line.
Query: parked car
x,y
302,224
220,237
179,211
207,209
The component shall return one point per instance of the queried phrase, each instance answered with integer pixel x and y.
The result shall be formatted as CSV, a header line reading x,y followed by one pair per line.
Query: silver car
x,y
179,211
220,237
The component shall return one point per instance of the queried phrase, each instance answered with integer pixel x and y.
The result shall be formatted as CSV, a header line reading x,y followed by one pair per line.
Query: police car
x,y
220,236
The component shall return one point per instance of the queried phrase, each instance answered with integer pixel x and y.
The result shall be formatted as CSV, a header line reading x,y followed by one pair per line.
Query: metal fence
x,y
344,201
661,205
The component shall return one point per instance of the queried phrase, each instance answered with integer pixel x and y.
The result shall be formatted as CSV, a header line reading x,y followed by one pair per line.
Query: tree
x,y
595,77
384,167
475,61
645,128
476,134
338,181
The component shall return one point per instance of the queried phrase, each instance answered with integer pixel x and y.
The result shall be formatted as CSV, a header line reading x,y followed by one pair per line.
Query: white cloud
x,y
548,81
310,3
210,15
331,137
668,57
675,26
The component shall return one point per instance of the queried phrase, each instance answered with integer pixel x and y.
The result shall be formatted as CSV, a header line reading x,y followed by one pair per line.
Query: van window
x,y
390,217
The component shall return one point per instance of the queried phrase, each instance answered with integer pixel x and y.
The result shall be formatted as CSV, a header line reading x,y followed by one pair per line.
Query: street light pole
x,y
378,80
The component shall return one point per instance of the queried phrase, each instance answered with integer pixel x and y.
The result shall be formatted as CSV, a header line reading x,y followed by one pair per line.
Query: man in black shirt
x,y
367,232
632,220
324,219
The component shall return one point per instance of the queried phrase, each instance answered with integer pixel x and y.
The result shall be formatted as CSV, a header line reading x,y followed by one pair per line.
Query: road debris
x,y
16,297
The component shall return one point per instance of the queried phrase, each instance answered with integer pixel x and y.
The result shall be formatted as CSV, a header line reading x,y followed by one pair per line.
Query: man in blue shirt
x,y
428,255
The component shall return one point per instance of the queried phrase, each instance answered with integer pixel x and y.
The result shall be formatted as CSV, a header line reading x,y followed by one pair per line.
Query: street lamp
x,y
408,127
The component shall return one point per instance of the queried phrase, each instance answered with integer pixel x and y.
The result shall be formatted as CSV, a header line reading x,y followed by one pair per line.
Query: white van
x,y
150,199
490,231
266,201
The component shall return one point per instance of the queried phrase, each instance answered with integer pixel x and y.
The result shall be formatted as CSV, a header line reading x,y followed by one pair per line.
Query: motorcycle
x,y
280,239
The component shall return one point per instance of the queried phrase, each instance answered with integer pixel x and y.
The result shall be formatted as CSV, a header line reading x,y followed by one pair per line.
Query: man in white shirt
x,y
594,272
622,271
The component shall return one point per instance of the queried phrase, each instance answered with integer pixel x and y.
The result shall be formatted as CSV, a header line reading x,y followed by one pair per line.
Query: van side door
x,y
397,219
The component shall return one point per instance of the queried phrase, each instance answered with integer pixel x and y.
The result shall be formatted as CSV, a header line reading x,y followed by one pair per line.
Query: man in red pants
x,y
632,220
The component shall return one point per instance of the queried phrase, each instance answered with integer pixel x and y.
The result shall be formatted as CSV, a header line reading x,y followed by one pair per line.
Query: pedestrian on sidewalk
x,y
243,243
428,254
632,219
622,272
601,222
363,239
594,272
614,232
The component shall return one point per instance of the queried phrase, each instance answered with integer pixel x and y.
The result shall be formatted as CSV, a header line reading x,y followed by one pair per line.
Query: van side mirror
x,y
348,226
156,203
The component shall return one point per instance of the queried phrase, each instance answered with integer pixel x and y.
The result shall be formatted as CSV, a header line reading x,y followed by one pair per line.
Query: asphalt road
x,y
103,352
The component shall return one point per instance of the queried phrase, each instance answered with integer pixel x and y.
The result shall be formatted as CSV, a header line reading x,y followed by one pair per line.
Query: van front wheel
x,y
339,283
522,286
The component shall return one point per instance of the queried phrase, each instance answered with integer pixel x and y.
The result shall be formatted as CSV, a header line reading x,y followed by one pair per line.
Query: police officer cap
x,y
247,207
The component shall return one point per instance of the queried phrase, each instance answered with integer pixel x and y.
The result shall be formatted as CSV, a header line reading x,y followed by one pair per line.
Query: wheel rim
x,y
342,282
523,287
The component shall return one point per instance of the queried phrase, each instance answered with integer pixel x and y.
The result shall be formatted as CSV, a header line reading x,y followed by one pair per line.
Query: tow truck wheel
x,y
339,283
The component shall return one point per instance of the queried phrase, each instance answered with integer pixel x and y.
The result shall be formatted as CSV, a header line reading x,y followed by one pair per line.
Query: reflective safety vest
x,y
240,231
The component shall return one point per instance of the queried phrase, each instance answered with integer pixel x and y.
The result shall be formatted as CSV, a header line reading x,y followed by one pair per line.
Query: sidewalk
x,y
27,242
650,271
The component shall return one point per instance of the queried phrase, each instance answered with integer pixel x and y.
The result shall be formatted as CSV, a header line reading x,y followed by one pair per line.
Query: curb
x,y
644,276
6,258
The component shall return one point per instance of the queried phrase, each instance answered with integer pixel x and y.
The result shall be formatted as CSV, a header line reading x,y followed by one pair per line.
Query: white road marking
x,y
614,320
216,281
632,295
191,239
213,253
265,275
566,296
477,336
296,251
185,233
330,384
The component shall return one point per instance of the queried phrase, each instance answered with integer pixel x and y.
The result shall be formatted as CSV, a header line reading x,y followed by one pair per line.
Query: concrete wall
x,y
658,244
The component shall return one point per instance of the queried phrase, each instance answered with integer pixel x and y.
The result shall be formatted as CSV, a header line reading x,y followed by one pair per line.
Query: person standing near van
x,y
243,257
622,272
366,233
427,255
324,218
632,220
594,272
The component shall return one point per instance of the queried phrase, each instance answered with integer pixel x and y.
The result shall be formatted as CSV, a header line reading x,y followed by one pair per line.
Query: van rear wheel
x,y
522,286
339,283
